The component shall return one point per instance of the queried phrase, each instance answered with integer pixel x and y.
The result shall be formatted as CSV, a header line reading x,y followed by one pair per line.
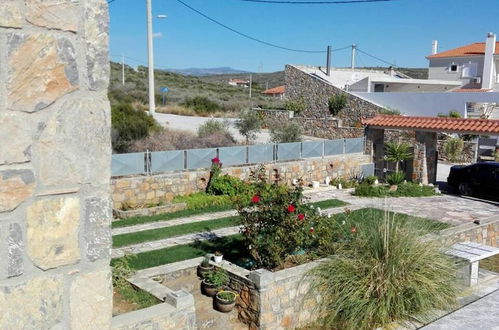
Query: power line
x,y
248,36
376,58
314,2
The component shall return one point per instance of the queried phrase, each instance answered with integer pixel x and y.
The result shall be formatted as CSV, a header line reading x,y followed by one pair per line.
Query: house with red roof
x,y
279,91
239,82
474,65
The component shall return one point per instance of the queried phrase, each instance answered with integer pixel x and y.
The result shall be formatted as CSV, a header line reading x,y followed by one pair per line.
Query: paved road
x,y
191,124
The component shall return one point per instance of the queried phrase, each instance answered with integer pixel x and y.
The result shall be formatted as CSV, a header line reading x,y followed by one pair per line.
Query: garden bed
x,y
150,211
408,189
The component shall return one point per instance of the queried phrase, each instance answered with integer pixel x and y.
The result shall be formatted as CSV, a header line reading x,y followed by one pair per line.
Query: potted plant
x,y
225,301
214,281
205,267
218,257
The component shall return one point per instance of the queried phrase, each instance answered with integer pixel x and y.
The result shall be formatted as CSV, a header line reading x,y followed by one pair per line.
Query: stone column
x,y
375,144
425,149
54,165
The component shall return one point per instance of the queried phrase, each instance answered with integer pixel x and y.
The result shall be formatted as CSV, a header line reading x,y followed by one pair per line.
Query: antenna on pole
x,y
354,48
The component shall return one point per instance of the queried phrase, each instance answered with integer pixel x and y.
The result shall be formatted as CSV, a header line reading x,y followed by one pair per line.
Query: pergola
x,y
425,143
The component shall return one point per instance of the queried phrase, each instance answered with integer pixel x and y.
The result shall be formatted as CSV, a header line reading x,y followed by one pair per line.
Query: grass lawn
x,y
178,230
211,209
233,246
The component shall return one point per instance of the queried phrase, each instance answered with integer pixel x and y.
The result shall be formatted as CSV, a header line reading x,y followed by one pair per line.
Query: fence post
x,y
147,162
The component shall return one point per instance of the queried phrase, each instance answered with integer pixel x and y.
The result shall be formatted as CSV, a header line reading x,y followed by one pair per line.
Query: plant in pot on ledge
x,y
218,256
205,267
225,301
214,281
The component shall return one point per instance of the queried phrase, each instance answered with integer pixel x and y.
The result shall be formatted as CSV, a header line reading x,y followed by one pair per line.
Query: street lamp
x,y
150,57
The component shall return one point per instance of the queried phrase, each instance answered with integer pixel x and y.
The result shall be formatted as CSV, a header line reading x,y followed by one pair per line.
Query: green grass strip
x,y
232,247
328,203
178,230
212,209
168,216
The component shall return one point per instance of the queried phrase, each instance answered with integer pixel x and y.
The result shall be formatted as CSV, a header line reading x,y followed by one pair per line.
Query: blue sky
x,y
400,31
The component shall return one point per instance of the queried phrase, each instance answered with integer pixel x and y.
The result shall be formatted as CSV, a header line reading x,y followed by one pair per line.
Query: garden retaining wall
x,y
141,189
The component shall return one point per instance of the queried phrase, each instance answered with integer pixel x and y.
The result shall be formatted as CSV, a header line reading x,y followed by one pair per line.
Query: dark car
x,y
479,178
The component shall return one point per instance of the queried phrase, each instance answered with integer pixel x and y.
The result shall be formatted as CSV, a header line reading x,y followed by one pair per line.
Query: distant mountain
x,y
200,72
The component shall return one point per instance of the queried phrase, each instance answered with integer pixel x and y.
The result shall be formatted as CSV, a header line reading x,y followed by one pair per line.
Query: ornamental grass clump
x,y
388,272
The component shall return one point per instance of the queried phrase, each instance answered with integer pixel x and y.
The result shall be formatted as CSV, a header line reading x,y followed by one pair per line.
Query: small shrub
x,y
371,179
385,273
289,131
407,189
121,271
201,104
336,103
211,127
390,112
453,149
217,277
451,114
395,178
296,106
128,125
228,185
345,183
202,200
249,124
397,152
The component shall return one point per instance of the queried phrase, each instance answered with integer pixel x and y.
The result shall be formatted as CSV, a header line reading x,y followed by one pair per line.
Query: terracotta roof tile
x,y
457,125
477,48
275,90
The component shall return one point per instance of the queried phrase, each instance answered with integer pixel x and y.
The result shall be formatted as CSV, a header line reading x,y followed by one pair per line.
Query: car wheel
x,y
465,189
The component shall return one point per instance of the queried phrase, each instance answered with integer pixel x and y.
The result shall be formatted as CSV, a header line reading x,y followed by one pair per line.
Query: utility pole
x,y
122,69
251,82
328,61
150,59
354,48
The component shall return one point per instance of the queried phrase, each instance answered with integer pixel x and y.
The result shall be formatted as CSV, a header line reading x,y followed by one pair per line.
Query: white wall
x,y
427,104
439,68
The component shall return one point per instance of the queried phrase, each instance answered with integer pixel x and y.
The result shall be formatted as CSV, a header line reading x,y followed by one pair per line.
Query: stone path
x,y
173,222
451,209
481,314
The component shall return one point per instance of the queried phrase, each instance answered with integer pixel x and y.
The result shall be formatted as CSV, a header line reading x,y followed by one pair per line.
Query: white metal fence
x,y
191,159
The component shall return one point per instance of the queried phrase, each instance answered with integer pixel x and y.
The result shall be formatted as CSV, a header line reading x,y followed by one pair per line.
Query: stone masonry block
x,y
15,187
42,68
15,247
52,232
10,14
63,158
18,150
261,277
53,14
97,39
97,219
35,304
91,301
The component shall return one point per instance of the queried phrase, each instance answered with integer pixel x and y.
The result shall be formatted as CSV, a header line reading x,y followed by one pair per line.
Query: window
x,y
469,70
453,68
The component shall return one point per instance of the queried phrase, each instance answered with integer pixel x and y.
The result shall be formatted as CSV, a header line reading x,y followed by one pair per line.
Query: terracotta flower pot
x,y
203,270
223,305
209,289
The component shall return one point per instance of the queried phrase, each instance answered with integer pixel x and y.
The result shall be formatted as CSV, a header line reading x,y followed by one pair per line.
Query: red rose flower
x,y
291,208
255,199
353,230
215,160
312,229
301,216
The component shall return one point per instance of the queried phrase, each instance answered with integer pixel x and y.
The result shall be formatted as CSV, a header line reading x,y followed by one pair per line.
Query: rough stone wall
x,y
425,147
316,94
467,156
486,233
327,129
55,151
138,190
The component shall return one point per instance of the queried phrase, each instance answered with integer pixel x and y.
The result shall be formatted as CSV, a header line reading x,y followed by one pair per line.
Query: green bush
x,y
283,132
395,178
384,273
217,277
345,183
211,127
336,103
453,149
371,179
407,189
390,112
201,200
201,104
249,124
128,125
228,185
296,106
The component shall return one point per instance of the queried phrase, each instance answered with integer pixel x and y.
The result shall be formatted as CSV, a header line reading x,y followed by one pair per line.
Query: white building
x,y
474,65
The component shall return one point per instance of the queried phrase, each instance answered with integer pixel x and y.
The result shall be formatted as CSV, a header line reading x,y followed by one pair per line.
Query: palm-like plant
x,y
397,151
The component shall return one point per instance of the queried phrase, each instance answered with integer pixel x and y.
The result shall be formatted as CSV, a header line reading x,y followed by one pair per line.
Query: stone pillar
x,y
375,143
54,165
425,148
